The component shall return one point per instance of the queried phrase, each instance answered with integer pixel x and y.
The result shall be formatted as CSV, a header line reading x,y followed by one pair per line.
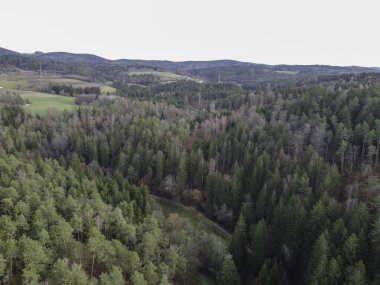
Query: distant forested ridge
x,y
249,75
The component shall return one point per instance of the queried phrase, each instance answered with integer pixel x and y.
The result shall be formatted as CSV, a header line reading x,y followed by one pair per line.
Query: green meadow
x,y
40,103
13,84
107,89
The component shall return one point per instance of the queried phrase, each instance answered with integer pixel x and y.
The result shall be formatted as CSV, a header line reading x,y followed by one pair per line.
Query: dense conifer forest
x,y
290,169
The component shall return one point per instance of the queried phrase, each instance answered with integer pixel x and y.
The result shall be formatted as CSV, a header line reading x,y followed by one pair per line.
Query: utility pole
x,y
40,70
200,95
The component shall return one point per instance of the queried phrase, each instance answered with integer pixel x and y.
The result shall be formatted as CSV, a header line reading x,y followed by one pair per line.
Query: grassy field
x,y
33,81
25,83
13,84
198,220
165,76
107,89
40,103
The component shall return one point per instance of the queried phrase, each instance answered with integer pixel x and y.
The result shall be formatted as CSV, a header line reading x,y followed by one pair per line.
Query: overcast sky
x,y
336,32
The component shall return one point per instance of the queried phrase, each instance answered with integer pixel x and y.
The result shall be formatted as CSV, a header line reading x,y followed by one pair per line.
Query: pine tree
x,y
236,189
138,278
317,269
35,259
201,170
375,244
264,277
3,265
356,275
151,274
317,221
238,243
78,276
60,273
334,272
227,274
159,174
182,174
350,249
259,244
271,273
114,277
164,280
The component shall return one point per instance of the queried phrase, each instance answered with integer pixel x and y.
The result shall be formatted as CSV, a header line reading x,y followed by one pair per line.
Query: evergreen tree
x,y
78,276
60,273
114,277
34,258
182,174
238,243
356,275
259,245
375,244
317,269
138,278
227,274
2,266
164,280
150,274
159,174
334,272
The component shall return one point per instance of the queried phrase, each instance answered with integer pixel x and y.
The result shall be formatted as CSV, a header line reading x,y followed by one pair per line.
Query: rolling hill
x,y
250,75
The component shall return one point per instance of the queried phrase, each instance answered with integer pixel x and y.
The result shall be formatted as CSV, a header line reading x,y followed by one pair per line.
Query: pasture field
x,y
12,84
26,84
41,103
107,89
33,81
165,76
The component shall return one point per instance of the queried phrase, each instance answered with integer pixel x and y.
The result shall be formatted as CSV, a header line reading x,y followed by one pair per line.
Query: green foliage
x,y
2,266
138,278
41,103
114,277
356,274
270,273
62,274
238,242
34,258
259,245
78,276
317,268
151,274
60,229
228,274
334,272
292,171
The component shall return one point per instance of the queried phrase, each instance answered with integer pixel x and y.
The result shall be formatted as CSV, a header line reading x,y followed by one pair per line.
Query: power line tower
x,y
200,95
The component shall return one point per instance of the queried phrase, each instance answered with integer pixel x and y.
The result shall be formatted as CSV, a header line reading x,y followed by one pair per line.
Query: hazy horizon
x,y
159,59
268,32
